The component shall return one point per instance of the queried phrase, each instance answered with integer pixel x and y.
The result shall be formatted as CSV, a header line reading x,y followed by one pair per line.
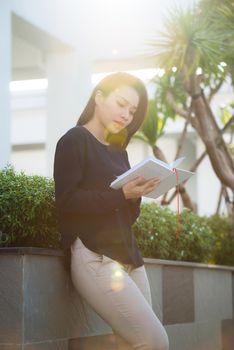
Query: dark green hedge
x,y
222,230
156,230
27,210
201,239
28,218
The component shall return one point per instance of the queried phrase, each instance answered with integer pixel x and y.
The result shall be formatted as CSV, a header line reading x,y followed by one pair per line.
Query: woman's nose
x,y
126,114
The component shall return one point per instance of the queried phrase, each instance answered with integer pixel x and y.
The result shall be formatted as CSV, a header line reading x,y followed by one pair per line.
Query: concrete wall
x,y
40,309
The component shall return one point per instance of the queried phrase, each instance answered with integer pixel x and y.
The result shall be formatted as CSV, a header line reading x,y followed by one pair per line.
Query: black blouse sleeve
x,y
135,209
134,206
68,174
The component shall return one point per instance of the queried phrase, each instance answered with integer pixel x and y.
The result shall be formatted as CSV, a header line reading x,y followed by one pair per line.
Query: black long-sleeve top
x,y
86,206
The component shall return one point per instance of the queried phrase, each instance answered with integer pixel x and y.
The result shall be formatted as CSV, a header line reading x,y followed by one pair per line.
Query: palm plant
x,y
200,44
153,128
151,131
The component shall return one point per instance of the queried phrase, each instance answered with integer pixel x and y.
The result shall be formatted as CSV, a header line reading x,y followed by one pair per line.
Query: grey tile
x,y
31,250
83,320
178,294
154,273
182,336
48,345
11,298
209,335
46,312
78,322
10,347
195,336
213,294
227,334
105,342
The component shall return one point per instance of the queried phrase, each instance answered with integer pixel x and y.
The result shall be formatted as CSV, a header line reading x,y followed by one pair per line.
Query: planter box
x,y
40,310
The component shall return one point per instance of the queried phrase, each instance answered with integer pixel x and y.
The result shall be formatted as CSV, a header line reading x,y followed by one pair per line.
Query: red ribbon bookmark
x,y
178,202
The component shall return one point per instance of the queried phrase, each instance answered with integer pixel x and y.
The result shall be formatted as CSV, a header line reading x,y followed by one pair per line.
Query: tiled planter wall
x,y
40,310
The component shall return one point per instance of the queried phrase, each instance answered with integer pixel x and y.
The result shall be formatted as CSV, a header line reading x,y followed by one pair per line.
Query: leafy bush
x,y
223,233
27,210
155,232
28,218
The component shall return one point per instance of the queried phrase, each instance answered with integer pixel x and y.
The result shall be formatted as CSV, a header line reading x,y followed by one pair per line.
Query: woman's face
x,y
116,111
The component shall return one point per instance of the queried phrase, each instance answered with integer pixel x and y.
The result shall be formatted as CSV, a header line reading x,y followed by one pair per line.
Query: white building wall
x,y
28,132
31,162
69,87
29,126
5,78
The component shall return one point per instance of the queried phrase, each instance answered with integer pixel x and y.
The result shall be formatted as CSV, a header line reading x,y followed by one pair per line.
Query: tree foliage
x,y
196,51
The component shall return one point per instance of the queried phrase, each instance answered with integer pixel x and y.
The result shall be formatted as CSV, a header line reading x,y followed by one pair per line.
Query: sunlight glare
x,y
28,85
144,74
117,279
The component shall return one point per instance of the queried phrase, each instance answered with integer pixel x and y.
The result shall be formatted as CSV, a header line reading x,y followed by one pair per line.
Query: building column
x,y
5,78
69,87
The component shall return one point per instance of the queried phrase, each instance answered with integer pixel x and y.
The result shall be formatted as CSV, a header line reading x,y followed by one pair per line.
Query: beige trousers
x,y
120,294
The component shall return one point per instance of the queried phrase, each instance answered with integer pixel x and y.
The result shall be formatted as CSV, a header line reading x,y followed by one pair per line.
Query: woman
x,y
95,221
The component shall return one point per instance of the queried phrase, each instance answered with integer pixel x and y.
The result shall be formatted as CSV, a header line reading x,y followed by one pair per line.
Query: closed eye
x,y
124,105
120,104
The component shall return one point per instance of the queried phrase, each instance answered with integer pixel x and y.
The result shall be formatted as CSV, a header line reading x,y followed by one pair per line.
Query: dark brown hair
x,y
109,84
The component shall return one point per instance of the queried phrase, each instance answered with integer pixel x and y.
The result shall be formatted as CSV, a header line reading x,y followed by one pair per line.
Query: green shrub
x,y
27,210
28,218
155,232
223,232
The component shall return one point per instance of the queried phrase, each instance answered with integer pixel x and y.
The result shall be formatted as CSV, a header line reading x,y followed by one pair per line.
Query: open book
x,y
151,167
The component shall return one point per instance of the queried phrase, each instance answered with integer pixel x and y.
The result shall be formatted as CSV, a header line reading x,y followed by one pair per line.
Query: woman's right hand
x,y
139,187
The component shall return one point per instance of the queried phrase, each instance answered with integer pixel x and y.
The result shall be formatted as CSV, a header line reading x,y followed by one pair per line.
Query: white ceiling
x,y
103,30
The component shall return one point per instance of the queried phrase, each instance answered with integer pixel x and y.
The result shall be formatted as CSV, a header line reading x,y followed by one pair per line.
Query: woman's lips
x,y
119,123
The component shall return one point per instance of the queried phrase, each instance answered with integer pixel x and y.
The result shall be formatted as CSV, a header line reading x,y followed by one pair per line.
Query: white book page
x,y
169,182
148,168
145,161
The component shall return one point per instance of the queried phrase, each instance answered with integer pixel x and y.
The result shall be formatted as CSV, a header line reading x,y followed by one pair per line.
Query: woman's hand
x,y
139,187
